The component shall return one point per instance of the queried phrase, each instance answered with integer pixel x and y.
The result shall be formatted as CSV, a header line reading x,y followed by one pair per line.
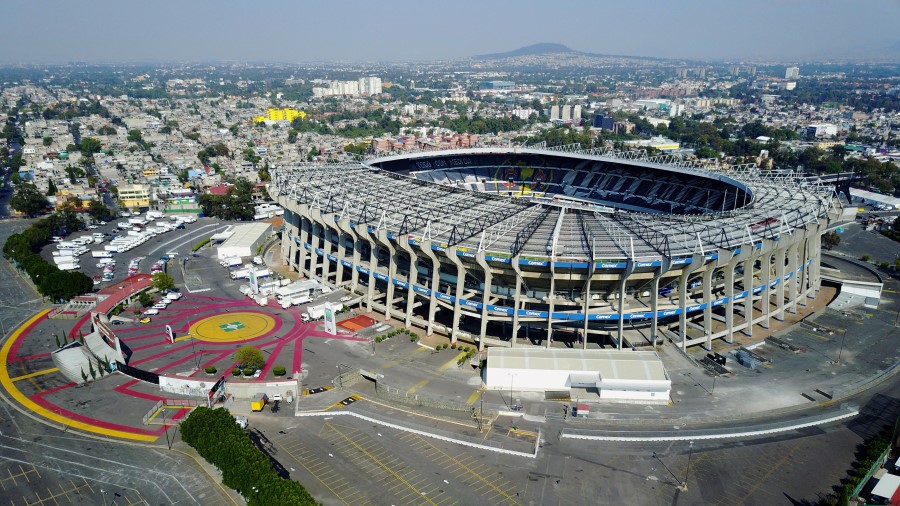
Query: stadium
x,y
526,246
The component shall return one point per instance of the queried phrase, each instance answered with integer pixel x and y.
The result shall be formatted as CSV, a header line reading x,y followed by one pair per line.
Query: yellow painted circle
x,y
231,327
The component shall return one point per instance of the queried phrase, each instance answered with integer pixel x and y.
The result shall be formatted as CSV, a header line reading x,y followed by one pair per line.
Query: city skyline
x,y
103,31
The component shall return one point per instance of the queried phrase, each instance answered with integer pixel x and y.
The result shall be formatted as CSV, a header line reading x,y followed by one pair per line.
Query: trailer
x,y
64,259
68,266
316,312
258,402
101,253
240,274
295,301
304,287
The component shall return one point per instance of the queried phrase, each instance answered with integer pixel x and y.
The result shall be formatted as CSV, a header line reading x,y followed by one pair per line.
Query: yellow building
x,y
286,114
134,195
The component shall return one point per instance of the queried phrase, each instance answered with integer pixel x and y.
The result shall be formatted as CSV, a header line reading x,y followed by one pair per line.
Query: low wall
x,y
199,387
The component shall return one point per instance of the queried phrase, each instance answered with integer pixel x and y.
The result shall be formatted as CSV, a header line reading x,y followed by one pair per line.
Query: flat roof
x,y
610,364
887,486
246,235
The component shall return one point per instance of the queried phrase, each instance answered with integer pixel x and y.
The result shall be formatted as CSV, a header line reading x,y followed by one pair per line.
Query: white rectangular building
x,y
244,240
615,374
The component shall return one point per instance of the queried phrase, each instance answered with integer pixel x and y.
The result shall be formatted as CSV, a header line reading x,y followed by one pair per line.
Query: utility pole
x,y
688,470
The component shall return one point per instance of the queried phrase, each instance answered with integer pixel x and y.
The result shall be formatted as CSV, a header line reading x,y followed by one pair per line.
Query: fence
x,y
710,433
183,403
399,395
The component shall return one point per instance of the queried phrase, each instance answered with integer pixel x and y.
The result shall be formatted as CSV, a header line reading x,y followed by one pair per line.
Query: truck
x,y
295,301
316,312
68,266
258,402
240,274
101,253
231,262
63,259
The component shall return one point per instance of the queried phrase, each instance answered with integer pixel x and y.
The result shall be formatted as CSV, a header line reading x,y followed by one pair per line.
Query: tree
x,y
135,136
830,240
145,299
162,281
28,200
48,141
51,188
98,211
89,145
248,356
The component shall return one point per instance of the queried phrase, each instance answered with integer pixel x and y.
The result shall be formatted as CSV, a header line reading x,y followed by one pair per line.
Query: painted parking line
x,y
33,374
451,363
318,390
323,471
477,477
392,363
474,397
417,386
398,478
40,410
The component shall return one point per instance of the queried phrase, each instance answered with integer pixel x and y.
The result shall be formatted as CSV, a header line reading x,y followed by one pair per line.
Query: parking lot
x,y
346,461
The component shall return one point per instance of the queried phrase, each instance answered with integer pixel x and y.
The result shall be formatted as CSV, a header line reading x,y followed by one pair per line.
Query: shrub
x,y
248,371
453,346
412,338
200,244
865,258
236,371
250,357
279,370
210,370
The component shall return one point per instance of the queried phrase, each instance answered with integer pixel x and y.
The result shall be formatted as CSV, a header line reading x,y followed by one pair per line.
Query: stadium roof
x,y
447,215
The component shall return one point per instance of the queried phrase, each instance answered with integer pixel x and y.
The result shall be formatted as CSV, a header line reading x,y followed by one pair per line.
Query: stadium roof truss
x,y
777,203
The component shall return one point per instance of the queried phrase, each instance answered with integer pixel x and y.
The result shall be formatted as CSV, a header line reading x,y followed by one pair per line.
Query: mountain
x,y
532,50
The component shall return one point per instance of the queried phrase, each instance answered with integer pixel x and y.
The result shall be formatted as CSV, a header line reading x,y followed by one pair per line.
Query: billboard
x,y
330,322
170,335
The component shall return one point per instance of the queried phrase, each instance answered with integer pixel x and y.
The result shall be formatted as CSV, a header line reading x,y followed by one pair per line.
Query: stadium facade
x,y
589,247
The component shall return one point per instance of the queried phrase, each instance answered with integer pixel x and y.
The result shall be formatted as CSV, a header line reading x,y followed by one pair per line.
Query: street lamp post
x,y
688,470
843,336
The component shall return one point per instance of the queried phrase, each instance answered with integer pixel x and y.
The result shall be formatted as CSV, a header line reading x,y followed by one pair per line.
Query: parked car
x,y
145,319
152,311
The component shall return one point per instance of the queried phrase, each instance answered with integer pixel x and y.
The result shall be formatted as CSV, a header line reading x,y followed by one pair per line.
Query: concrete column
x,y
745,253
686,270
551,300
460,290
517,301
305,238
792,286
373,263
412,279
315,239
485,297
765,299
780,259
665,264
748,286
435,284
706,286
382,238
341,255
586,293
621,306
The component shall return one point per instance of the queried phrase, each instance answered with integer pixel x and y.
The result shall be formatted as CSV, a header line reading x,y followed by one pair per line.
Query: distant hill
x,y
532,50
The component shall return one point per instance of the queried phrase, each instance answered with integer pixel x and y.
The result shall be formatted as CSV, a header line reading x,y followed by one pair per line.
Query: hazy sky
x,y
43,31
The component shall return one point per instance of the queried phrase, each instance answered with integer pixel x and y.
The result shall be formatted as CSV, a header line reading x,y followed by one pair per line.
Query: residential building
x,y
792,72
134,195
